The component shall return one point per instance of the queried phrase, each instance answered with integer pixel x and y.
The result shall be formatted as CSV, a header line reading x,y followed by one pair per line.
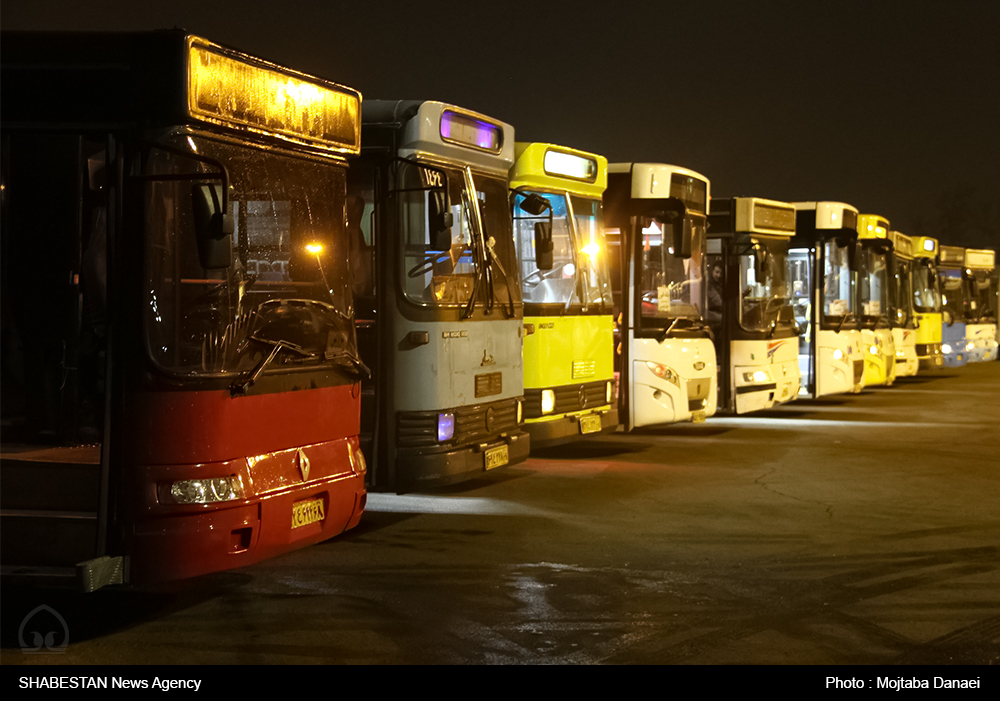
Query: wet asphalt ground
x,y
858,529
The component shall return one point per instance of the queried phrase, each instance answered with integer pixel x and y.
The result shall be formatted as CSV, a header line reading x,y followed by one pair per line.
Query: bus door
x,y
57,360
801,266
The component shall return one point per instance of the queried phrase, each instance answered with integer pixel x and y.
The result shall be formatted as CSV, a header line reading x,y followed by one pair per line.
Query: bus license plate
x,y
495,457
306,512
698,416
590,424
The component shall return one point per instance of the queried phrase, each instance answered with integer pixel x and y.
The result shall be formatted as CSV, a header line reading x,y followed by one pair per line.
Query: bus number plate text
x,y
495,457
306,512
590,423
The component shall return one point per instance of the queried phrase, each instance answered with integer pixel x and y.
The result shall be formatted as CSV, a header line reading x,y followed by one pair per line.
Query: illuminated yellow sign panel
x,y
237,91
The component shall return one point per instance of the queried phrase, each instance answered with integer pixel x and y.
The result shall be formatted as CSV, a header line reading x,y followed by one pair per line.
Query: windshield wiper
x,y
245,381
357,366
666,332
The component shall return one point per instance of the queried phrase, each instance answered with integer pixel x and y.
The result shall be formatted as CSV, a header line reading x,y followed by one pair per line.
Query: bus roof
x,y
552,167
445,132
952,257
872,226
902,245
980,258
753,215
138,80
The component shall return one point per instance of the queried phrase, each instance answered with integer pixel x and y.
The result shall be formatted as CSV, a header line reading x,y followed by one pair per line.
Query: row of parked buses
x,y
235,300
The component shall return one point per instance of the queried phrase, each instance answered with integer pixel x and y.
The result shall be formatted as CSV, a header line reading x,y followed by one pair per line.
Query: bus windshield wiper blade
x,y
245,381
666,332
359,368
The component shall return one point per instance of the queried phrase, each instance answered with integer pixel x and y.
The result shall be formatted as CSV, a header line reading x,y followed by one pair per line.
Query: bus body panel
x,y
928,340
443,373
954,346
171,541
568,353
777,359
880,365
905,342
840,362
655,400
983,338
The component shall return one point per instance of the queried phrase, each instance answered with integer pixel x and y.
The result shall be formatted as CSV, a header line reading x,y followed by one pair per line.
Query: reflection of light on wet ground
x,y
419,504
759,422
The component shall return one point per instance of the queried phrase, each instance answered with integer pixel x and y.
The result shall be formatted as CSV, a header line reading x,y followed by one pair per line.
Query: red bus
x,y
181,382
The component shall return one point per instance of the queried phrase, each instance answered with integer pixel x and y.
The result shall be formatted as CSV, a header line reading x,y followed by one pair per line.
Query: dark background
x,y
891,106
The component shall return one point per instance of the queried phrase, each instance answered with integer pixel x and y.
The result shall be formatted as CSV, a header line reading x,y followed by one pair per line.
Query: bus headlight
x,y
663,372
210,490
520,411
838,354
969,346
548,401
873,349
756,376
446,427
946,348
607,393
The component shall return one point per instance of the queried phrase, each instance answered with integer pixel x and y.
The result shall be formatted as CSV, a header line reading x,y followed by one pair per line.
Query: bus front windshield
x,y
873,286
838,284
953,296
901,292
926,291
983,305
483,259
286,291
670,286
764,290
580,273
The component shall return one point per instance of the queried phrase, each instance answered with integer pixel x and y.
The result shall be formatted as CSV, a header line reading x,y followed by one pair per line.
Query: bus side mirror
x,y
543,245
213,226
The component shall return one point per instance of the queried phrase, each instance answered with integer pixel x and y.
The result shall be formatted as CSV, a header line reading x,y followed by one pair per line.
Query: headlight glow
x,y
756,376
946,348
207,491
548,401
873,349
446,427
520,411
607,393
838,354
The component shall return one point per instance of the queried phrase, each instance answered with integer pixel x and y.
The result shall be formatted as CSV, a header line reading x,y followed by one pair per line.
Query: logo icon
x,y
303,464
44,628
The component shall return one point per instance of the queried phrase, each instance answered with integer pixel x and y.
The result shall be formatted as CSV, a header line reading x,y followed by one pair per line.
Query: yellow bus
x,y
981,329
566,288
873,299
904,336
927,303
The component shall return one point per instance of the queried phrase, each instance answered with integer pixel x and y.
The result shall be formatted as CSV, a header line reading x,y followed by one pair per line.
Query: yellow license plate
x,y
495,457
698,416
590,424
306,512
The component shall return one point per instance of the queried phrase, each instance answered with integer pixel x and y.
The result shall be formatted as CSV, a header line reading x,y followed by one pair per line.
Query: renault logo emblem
x,y
303,465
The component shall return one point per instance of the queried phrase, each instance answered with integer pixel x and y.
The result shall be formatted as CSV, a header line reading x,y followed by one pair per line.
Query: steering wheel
x,y
431,260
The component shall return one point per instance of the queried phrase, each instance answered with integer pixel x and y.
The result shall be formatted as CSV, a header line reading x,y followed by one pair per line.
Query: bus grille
x,y
589,395
473,424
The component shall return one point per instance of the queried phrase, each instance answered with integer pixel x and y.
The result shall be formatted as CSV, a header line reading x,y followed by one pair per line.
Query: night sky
x,y
893,107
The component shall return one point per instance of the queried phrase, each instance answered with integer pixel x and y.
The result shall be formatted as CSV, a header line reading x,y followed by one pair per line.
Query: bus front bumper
x,y
563,429
420,470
